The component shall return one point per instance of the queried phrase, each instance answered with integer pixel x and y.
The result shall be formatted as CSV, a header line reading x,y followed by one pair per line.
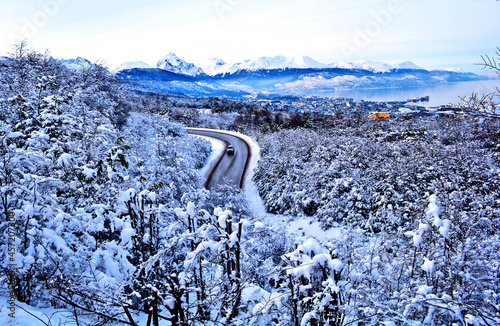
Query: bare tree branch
x,y
485,106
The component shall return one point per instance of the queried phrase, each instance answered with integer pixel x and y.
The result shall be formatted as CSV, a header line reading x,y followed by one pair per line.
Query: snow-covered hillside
x,y
216,66
374,66
278,62
173,63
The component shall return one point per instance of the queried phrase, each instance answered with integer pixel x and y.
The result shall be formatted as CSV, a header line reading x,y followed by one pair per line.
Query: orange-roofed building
x,y
380,115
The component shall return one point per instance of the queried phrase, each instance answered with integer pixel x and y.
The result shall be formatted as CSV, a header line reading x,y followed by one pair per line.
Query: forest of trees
x,y
111,220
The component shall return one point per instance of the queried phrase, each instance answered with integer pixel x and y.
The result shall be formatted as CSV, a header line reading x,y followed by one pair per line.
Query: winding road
x,y
228,168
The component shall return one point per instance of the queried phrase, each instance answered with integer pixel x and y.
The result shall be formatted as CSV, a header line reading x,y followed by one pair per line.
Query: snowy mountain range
x,y
216,66
277,75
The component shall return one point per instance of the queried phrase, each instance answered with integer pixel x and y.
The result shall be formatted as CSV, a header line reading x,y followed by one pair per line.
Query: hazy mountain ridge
x,y
290,81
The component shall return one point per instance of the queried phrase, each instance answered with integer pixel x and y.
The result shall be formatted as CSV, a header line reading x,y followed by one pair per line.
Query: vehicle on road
x,y
230,150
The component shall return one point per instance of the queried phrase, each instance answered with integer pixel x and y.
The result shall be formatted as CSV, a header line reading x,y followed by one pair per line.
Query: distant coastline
x,y
438,95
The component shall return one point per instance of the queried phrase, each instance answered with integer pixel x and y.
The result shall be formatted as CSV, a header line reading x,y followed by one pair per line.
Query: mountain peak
x,y
173,63
407,65
215,66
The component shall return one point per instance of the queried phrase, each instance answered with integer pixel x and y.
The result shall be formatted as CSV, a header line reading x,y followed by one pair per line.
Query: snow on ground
x,y
308,227
30,316
299,228
217,150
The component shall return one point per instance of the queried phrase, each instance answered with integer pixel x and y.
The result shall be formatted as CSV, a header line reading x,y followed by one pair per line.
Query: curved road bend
x,y
231,167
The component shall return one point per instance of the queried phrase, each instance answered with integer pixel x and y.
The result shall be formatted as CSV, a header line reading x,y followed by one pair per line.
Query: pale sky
x,y
431,33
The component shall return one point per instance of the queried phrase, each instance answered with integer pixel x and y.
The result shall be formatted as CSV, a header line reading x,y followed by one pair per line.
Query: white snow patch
x,y
64,160
306,227
389,323
417,236
127,195
190,208
180,213
445,228
29,210
132,65
424,290
152,196
12,134
258,226
126,236
88,173
428,265
222,216
217,150
24,315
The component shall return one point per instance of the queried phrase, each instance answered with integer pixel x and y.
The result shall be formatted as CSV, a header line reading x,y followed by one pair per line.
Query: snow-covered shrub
x,y
365,179
90,201
203,271
310,287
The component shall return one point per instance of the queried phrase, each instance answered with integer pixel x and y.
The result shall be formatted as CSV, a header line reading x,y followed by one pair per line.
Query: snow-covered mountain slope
x,y
280,62
132,65
173,63
217,66
364,65
407,65
374,66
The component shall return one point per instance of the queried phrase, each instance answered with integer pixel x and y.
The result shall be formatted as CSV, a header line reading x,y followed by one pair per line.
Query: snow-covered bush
x,y
310,286
90,191
377,179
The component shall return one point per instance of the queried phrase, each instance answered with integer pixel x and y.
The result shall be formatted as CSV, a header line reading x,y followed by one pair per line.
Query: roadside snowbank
x,y
217,150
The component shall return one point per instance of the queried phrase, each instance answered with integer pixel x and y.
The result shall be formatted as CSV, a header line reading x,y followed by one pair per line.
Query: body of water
x,y
438,95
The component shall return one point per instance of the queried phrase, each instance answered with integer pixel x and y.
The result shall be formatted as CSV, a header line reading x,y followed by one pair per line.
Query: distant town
x,y
330,106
